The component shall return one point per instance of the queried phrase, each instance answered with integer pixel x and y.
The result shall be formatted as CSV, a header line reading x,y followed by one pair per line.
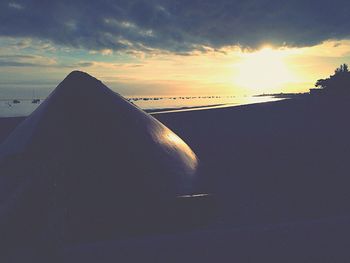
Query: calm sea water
x,y
23,107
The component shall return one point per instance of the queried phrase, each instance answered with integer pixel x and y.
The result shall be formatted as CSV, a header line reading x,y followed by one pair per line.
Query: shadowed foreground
x,y
273,162
280,176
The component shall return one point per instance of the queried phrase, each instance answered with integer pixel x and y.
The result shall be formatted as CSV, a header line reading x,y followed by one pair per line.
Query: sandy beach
x,y
278,173
272,162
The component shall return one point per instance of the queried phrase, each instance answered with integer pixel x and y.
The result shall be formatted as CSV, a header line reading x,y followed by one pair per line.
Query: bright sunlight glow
x,y
263,70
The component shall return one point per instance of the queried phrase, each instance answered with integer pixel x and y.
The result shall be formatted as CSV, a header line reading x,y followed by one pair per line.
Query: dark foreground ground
x,y
279,174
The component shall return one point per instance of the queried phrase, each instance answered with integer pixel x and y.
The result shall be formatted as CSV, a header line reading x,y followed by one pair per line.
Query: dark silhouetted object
x,y
86,165
336,84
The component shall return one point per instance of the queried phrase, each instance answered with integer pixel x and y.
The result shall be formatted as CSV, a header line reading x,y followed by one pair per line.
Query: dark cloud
x,y
176,25
38,61
84,64
2,57
11,63
25,61
17,64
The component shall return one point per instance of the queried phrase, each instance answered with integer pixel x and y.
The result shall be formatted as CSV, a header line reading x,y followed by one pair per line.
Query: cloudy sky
x,y
173,47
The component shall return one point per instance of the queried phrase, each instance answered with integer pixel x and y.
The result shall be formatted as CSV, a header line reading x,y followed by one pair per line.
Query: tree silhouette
x,y
338,83
343,68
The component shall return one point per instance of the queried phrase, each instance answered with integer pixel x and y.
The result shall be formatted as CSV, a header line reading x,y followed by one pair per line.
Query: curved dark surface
x,y
87,163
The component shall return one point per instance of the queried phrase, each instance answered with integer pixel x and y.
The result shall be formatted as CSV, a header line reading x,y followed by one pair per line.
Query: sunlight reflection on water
x,y
189,102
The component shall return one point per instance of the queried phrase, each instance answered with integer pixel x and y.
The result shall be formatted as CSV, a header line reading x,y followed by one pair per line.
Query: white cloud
x,y
15,5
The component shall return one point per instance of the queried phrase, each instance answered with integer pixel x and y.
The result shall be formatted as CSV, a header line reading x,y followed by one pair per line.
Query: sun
x,y
263,71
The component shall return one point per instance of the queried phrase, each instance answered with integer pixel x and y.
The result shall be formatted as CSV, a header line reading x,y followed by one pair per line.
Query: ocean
x,y
23,107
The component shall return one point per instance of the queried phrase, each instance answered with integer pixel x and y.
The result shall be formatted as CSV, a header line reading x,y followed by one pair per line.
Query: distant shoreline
x,y
284,95
164,110
207,107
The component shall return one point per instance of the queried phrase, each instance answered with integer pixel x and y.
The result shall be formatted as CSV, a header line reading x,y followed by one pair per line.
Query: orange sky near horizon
x,y
227,71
